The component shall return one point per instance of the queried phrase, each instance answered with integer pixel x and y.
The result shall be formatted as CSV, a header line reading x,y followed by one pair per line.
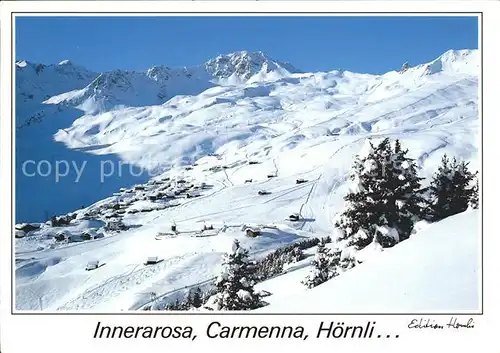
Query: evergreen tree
x,y
297,254
174,306
196,298
335,256
324,266
386,199
276,265
177,305
356,215
348,262
474,201
327,239
408,192
366,204
450,191
234,287
186,302
205,296
291,254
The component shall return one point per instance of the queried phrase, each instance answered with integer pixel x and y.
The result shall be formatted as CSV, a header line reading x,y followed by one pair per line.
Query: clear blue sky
x,y
359,44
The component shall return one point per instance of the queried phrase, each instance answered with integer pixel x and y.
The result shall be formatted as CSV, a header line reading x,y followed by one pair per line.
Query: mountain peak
x,y
159,72
65,62
21,63
463,60
247,54
245,64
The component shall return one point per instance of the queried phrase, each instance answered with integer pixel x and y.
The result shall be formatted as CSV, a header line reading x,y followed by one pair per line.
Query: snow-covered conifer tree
x,y
196,298
385,199
474,201
407,192
234,287
297,254
324,267
450,190
348,262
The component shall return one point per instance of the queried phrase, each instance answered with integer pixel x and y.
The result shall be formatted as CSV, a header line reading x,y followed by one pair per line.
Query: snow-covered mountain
x,y
117,88
239,124
37,82
244,66
165,117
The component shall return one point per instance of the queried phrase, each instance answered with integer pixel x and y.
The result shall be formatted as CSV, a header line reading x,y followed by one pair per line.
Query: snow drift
x,y
436,270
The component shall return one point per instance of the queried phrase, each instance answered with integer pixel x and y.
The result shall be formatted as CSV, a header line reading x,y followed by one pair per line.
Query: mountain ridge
x,y
448,55
156,120
159,83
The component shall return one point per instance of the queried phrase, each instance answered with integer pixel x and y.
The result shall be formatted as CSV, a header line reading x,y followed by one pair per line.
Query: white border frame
x,y
58,333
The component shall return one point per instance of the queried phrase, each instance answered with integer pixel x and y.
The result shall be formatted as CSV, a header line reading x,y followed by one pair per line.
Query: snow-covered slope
x,y
258,125
460,61
37,82
240,67
294,120
160,83
295,115
436,270
128,88
281,115
56,95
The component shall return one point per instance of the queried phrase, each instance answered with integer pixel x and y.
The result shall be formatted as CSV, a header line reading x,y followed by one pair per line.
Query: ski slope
x,y
436,270
245,123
